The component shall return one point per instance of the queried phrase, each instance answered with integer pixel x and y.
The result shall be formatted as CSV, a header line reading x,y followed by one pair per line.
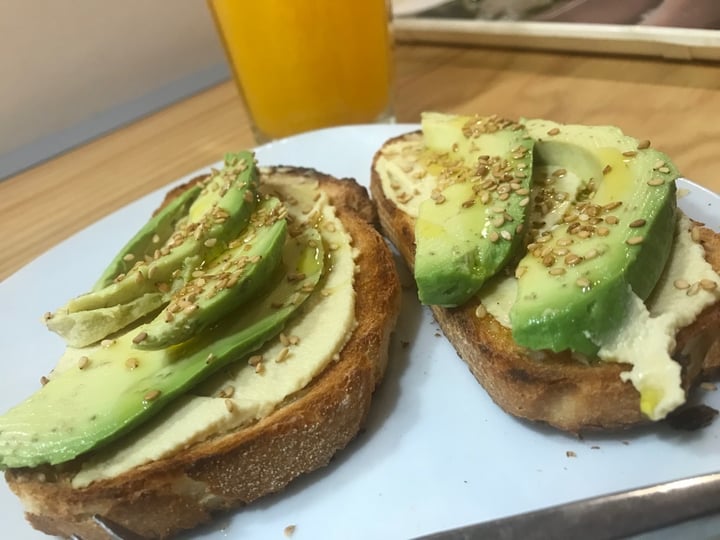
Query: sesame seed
x,y
612,220
572,259
602,231
83,362
525,201
229,405
282,355
227,392
255,359
637,223
129,257
634,240
612,206
493,236
156,239
694,289
105,343
480,311
708,284
210,242
582,282
44,380
559,173
284,340
664,170
152,395
506,235
553,131
642,145
558,271
260,368
659,163
630,153
607,169
655,182
142,336
681,284
548,260
132,363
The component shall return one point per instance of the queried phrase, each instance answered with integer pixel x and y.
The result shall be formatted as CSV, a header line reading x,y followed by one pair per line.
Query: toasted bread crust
x,y
182,491
557,390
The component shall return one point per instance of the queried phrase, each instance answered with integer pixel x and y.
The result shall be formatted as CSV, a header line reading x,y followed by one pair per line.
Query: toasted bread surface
x,y
179,492
552,388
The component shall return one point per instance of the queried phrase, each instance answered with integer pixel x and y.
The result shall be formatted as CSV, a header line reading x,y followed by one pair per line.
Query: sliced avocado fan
x,y
202,225
609,241
473,223
99,393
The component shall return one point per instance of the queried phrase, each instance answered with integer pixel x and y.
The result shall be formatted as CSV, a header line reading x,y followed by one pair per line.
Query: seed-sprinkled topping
x,y
655,182
255,359
642,145
553,131
659,163
524,202
557,271
602,231
612,220
468,203
132,363
582,282
83,362
635,240
629,153
152,395
637,223
664,169
572,259
548,260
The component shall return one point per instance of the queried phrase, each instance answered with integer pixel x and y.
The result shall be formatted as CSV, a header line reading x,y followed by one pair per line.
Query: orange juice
x,y
306,64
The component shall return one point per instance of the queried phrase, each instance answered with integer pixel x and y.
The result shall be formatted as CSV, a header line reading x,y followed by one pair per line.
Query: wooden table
x,y
675,104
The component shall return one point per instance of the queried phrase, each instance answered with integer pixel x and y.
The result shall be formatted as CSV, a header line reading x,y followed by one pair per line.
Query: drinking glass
x,y
307,64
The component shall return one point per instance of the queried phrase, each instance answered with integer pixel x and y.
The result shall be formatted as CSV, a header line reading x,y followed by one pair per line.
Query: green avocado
x,y
110,388
225,284
605,239
473,223
214,217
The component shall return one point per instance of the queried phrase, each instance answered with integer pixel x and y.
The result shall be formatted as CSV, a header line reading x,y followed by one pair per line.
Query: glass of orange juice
x,y
307,64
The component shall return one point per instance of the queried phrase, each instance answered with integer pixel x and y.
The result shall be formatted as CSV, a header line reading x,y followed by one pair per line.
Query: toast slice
x,y
553,388
160,498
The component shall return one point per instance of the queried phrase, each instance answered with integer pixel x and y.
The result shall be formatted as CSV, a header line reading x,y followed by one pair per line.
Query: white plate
x,y
437,453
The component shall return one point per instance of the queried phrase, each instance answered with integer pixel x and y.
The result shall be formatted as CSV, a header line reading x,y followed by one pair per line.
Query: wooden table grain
x,y
675,104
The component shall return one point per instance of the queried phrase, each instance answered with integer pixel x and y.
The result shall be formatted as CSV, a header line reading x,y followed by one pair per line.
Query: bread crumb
x,y
289,530
570,453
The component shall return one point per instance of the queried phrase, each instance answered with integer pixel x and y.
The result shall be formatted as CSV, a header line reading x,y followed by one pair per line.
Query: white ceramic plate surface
x,y
437,453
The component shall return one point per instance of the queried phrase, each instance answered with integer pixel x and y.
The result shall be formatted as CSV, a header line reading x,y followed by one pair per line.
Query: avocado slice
x,y
473,223
229,281
153,235
113,387
216,216
580,274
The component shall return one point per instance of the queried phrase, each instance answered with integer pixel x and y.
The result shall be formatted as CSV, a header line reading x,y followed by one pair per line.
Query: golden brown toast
x,y
179,492
556,389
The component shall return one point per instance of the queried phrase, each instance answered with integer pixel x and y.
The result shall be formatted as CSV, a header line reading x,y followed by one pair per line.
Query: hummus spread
x,y
648,339
242,393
